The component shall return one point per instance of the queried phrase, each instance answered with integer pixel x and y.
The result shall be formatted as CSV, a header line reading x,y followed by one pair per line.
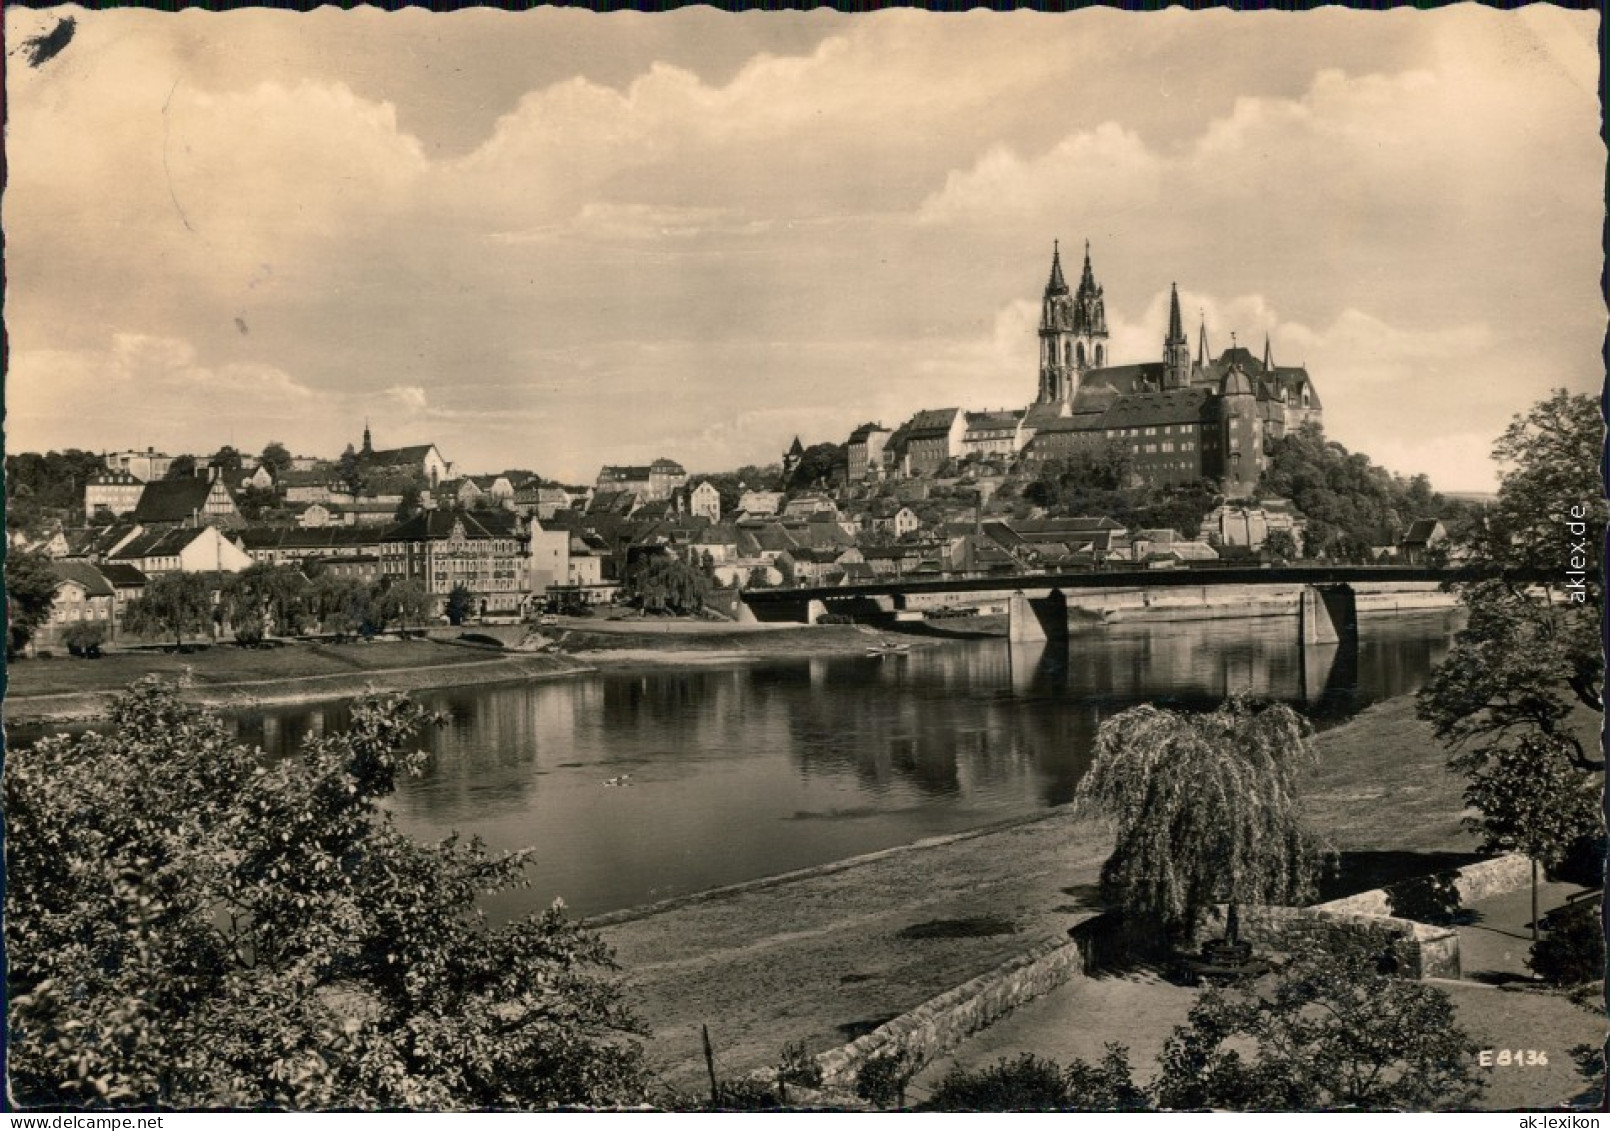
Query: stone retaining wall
x,y
1475,881
941,1023
1422,951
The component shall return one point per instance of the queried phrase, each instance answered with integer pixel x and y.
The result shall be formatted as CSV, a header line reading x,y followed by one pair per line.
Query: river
x,y
637,786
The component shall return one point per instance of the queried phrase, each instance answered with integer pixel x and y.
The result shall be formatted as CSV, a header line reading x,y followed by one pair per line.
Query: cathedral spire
x,y
1057,285
1268,358
1176,347
1201,340
367,446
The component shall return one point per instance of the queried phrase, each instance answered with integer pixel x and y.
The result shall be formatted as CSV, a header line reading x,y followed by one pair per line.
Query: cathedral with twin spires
x,y
1179,419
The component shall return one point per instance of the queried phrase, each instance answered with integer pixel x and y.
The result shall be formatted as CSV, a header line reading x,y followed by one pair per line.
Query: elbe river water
x,y
637,786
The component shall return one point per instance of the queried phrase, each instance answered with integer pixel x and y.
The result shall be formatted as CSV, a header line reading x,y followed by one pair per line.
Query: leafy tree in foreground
x,y
1332,1031
1531,651
1207,811
191,925
30,595
1530,799
174,604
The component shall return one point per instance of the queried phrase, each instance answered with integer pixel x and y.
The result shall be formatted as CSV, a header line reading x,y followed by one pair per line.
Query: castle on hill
x,y
1180,418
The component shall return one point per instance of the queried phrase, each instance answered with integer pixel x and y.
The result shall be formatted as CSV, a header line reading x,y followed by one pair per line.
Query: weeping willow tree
x,y
1206,811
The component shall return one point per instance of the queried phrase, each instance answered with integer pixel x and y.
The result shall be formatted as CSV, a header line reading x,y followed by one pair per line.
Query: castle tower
x,y
1176,347
368,447
1242,439
1058,375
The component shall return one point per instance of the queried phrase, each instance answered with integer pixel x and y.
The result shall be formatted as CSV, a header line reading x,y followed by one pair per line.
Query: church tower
x,y
1089,321
1073,331
1176,347
1058,378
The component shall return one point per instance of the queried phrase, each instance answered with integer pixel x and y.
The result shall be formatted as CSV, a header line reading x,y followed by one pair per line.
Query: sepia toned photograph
x,y
796,561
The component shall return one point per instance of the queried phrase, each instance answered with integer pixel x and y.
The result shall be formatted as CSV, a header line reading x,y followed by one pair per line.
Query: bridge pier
x,y
1327,614
1037,620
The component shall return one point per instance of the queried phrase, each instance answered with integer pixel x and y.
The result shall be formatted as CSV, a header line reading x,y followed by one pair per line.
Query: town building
x,y
83,595
114,491
146,466
989,434
423,461
1420,546
929,440
653,482
305,548
181,549
704,501
191,501
865,452
760,502
484,551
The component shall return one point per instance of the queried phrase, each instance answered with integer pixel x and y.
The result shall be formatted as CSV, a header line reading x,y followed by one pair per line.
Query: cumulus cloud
x,y
647,241
1106,170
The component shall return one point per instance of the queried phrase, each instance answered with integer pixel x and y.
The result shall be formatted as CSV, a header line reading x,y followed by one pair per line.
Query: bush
x,y
1330,1030
1107,1086
249,630
1031,1084
1573,952
745,1095
798,1066
1582,863
1025,1084
84,639
1427,899
883,1078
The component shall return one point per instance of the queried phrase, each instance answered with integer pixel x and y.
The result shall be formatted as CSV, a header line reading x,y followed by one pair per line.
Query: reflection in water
x,y
725,774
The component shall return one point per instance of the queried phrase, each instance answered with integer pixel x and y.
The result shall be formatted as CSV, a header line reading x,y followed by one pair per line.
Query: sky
x,y
557,239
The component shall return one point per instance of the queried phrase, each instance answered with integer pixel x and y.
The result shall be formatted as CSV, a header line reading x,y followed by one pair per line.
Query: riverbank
x,y
633,643
826,954
41,692
64,690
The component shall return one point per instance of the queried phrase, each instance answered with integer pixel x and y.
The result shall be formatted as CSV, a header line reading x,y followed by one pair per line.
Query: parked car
x,y
547,619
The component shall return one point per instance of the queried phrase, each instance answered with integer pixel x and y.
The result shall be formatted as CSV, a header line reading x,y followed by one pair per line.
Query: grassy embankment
x,y
821,956
229,677
65,689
